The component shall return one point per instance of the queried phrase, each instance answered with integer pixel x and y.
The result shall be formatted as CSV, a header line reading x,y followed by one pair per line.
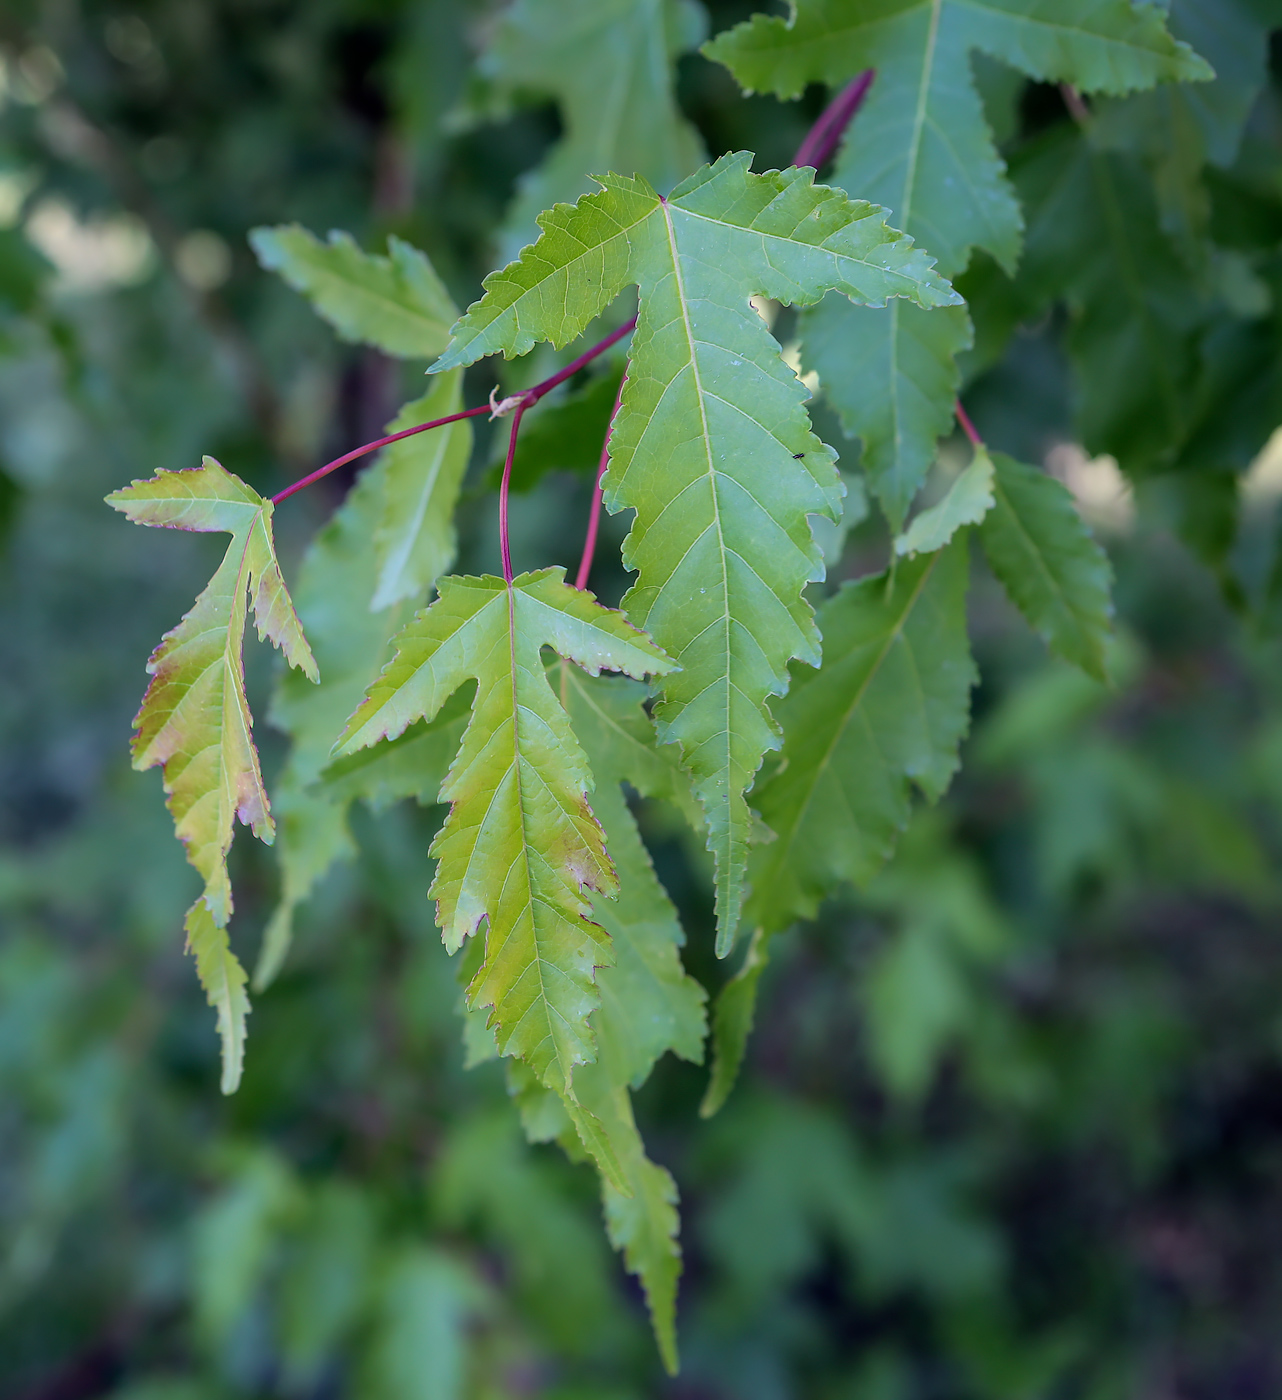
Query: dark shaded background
x,y
1012,1122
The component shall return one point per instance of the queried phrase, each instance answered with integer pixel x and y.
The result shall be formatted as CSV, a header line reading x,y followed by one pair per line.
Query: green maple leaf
x,y
892,376
195,720
712,447
920,145
888,710
396,303
1055,573
649,1005
520,845
610,67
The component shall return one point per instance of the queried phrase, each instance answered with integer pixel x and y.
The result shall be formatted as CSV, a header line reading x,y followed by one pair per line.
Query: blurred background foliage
x,y
1011,1126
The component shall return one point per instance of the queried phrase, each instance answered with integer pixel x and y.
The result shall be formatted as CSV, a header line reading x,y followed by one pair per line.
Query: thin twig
x,y
372,447
594,517
504,542
526,399
822,139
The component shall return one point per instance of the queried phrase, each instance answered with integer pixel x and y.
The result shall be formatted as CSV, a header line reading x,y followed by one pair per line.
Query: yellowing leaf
x,y
195,720
520,846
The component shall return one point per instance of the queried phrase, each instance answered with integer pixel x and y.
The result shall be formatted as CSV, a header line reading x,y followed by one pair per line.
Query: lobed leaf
x,y
195,720
520,845
610,67
1054,572
396,303
712,446
921,146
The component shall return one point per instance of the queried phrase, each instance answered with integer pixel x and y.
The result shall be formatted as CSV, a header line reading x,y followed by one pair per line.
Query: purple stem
x,y
968,428
517,414
594,519
371,447
822,139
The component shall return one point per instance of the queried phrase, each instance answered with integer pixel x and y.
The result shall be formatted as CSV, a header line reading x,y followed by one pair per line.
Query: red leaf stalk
x,y
822,138
968,428
594,518
372,447
504,544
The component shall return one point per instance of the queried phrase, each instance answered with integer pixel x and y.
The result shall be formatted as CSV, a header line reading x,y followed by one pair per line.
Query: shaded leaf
x,y
1055,573
610,67
892,376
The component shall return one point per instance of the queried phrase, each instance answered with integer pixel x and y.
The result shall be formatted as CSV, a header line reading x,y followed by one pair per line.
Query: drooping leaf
x,y
892,375
520,845
224,980
396,303
712,446
921,146
610,67
195,720
649,1005
1055,573
336,585
887,710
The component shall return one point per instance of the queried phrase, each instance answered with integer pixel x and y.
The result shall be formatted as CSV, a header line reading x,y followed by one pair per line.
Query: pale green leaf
x,y
396,303
194,718
223,979
892,375
920,144
712,446
1055,573
520,846
966,502
609,65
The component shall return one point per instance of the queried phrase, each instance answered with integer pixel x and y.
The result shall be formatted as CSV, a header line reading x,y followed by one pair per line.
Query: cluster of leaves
x,y
712,451
568,944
